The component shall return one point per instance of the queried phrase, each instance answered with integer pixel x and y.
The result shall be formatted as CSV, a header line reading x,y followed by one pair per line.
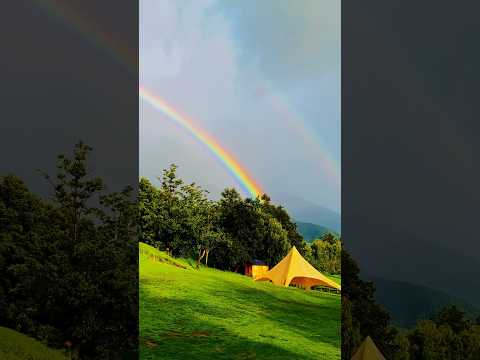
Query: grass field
x,y
16,346
209,314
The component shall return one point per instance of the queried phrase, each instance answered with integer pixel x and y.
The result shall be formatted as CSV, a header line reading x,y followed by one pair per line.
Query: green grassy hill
x,y
210,314
16,346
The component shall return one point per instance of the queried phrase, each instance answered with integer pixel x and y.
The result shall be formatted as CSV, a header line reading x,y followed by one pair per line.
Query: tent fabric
x,y
294,269
368,351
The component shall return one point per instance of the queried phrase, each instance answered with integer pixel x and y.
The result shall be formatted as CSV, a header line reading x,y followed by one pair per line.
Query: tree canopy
x,y
181,219
69,264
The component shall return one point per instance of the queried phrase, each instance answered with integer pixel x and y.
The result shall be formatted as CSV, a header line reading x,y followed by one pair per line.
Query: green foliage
x,y
351,337
364,316
326,254
447,335
181,220
69,266
16,346
212,314
254,232
403,347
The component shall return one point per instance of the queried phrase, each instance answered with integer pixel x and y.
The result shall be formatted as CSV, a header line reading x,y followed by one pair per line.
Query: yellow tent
x,y
294,269
368,351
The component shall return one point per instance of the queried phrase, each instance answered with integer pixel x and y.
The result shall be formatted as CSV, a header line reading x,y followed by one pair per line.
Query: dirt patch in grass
x,y
186,335
151,344
164,260
174,334
200,334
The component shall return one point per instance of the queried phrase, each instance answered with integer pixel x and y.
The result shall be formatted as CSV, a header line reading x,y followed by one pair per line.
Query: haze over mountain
x,y
413,257
410,169
309,212
407,303
311,231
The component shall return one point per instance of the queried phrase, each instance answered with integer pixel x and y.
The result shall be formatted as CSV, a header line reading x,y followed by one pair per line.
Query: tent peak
x,y
294,269
368,351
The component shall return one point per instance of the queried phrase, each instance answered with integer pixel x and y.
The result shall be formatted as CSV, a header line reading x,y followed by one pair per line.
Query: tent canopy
x,y
368,351
294,269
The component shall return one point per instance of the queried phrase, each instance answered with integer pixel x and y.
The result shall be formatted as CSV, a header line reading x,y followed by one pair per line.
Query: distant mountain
x,y
308,212
398,252
311,231
408,303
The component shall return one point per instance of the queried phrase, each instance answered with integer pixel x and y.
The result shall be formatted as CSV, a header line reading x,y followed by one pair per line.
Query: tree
x,y
149,215
202,220
447,335
451,316
254,232
282,216
71,188
351,337
70,265
369,317
403,347
325,254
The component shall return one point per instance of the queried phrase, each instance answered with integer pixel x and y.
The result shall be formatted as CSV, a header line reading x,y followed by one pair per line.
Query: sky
x,y
263,78
410,160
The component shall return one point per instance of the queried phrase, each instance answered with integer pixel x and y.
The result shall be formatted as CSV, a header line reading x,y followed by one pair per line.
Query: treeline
x,y
326,254
225,234
447,335
69,265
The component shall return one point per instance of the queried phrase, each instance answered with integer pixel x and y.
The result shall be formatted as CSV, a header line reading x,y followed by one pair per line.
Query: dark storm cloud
x,y
410,143
57,87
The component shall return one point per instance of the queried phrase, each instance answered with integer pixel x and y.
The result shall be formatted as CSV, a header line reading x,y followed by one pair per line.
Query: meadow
x,y
189,313
16,346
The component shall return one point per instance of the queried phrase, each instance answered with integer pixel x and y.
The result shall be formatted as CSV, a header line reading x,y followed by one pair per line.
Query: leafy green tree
x,y
403,347
202,219
72,189
282,216
449,335
254,232
452,317
369,317
149,214
70,265
326,254
351,337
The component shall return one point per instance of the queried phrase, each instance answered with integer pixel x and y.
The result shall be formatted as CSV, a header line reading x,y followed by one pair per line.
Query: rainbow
x,y
296,124
61,11
64,13
233,166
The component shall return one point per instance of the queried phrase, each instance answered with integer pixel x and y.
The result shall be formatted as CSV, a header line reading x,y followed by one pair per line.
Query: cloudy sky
x,y
263,78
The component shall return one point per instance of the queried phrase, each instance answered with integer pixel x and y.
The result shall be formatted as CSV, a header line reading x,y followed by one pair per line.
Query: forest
x,y
69,263
448,334
183,220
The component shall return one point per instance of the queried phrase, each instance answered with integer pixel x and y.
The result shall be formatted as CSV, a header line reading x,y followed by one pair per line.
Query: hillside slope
x,y
209,314
16,346
408,303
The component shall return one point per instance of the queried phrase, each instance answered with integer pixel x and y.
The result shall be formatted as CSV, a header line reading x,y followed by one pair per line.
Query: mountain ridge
x,y
308,212
311,231
407,302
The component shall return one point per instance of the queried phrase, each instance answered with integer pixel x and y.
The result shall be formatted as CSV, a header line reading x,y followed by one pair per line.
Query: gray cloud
x,y
192,54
